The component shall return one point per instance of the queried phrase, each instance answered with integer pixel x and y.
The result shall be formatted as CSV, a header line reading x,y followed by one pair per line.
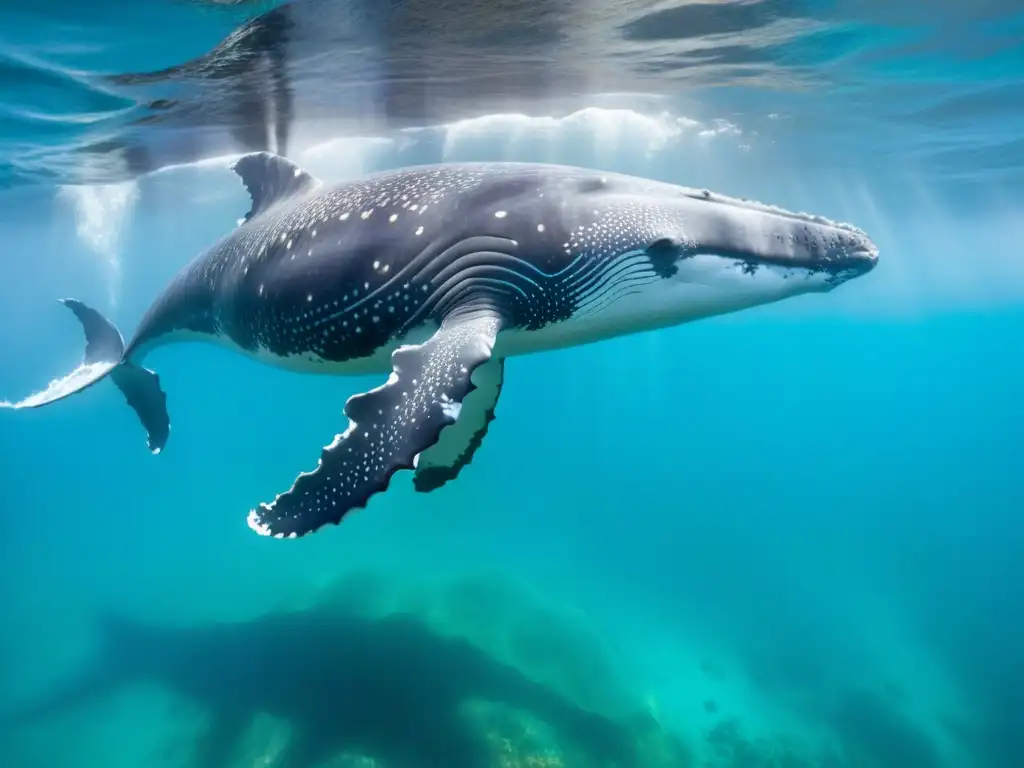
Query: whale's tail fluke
x,y
104,356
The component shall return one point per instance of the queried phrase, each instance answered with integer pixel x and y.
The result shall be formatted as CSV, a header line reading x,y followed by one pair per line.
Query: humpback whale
x,y
436,274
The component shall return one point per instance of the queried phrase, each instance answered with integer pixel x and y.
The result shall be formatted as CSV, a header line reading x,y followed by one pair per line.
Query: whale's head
x,y
823,254
714,253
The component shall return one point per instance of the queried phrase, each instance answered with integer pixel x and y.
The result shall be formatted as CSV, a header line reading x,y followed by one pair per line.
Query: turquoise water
x,y
785,537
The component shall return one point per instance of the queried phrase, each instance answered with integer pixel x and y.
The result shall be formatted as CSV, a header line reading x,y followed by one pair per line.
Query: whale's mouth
x,y
844,264
862,261
853,265
837,266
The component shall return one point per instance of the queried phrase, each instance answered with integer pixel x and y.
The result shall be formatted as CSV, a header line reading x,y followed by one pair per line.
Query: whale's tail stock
x,y
104,356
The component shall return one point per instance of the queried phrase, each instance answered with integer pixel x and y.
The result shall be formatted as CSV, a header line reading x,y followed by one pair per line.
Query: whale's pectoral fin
x,y
458,443
270,178
390,427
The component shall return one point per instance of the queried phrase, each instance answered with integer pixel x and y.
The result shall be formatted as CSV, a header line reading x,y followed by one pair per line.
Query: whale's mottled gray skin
x,y
439,273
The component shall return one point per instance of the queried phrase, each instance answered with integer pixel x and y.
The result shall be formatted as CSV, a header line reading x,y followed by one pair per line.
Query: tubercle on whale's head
x,y
675,223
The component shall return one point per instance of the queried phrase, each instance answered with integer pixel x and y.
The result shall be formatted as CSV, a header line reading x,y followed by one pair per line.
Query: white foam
x,y
719,128
345,158
101,212
608,130
599,131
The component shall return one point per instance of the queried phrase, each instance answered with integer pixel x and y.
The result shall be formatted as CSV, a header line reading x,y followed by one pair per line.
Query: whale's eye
x,y
663,245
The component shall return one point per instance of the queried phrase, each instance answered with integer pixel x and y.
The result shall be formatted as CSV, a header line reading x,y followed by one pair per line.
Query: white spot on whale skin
x,y
339,437
393,218
540,227
500,214
343,216
450,408
419,230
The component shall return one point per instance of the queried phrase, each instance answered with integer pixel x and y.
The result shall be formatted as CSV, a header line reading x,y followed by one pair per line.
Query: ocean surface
x,y
789,537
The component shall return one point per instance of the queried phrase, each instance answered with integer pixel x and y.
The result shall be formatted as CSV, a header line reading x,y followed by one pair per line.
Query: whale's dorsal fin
x,y
270,178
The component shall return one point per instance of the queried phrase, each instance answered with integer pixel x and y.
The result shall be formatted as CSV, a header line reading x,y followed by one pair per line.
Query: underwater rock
x,y
325,686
